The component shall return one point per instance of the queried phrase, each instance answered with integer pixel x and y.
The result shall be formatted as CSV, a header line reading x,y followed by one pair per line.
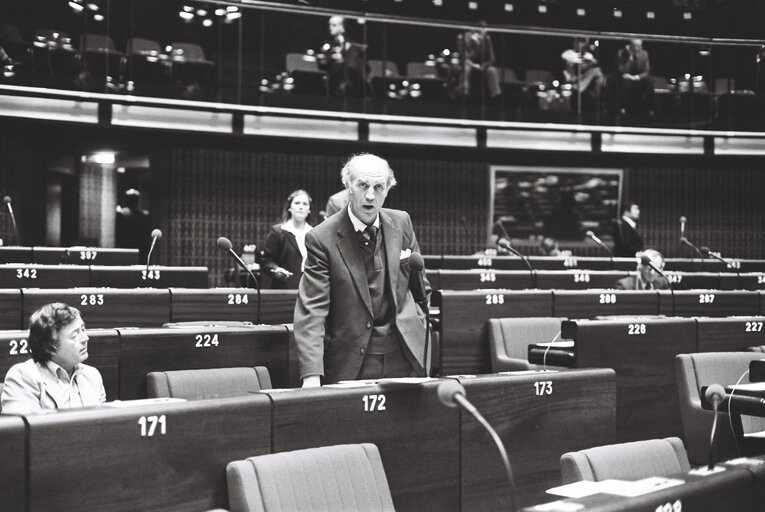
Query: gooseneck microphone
x,y
683,220
452,394
7,201
591,236
646,261
416,284
225,244
714,395
505,244
156,234
706,252
684,241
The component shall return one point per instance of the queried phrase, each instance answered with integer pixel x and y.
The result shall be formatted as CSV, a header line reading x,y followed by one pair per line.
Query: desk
x,y
105,307
642,351
14,466
418,437
590,303
537,263
16,254
578,279
732,490
742,281
536,429
19,275
729,334
84,256
693,265
464,342
709,303
188,348
136,276
482,278
10,309
112,459
239,304
695,280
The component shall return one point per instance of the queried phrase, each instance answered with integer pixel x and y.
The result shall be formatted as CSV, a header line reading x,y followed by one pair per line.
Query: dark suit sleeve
x,y
312,308
271,251
415,287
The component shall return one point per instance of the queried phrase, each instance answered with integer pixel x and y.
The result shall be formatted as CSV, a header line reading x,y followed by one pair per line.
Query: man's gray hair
x,y
357,161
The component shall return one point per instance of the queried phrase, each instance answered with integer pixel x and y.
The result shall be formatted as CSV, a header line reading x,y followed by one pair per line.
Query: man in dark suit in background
x,y
357,314
627,240
646,278
343,60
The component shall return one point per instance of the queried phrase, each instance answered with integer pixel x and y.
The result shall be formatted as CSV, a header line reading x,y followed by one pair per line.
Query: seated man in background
x,y
632,88
646,277
582,70
477,56
343,60
55,377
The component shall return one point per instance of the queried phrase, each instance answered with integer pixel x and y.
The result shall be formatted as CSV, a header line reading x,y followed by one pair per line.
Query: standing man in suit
x,y
627,240
357,314
343,60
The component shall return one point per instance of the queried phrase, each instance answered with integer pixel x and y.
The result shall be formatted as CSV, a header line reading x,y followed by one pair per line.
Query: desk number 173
x,y
543,387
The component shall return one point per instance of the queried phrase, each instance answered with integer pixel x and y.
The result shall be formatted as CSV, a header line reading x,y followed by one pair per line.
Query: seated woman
x,y
55,377
284,254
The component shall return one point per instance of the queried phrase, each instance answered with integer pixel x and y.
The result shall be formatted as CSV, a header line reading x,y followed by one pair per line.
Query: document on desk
x,y
754,386
638,487
579,489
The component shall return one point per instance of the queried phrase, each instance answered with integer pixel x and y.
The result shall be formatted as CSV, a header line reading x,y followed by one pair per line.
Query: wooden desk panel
x,y
747,266
16,255
238,304
106,307
464,343
592,303
536,429
418,437
15,275
13,470
10,309
97,459
732,490
84,256
642,352
742,281
729,334
189,348
577,279
481,279
695,280
693,265
537,262
479,261
717,303
157,276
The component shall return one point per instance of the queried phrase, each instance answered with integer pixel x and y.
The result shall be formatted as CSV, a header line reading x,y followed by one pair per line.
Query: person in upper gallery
x,y
627,239
646,278
477,56
336,202
581,68
343,60
284,253
357,314
632,89
55,377
133,229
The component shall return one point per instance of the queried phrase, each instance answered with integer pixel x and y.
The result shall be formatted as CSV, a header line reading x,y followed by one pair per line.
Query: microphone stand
x,y
684,241
708,252
646,261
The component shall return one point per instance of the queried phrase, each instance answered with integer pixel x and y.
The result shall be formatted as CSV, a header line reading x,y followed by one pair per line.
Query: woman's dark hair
x,y
286,212
45,324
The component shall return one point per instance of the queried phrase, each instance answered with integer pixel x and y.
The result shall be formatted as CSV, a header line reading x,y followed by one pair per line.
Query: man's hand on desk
x,y
312,381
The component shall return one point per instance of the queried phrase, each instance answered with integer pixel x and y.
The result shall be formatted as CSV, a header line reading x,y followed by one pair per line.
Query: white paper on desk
x,y
754,386
556,344
558,506
744,461
639,487
142,401
351,384
576,490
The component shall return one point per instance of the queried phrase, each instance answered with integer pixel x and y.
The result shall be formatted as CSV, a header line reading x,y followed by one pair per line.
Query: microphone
x,y
714,395
7,200
156,234
683,220
646,261
452,394
684,241
417,285
505,244
598,241
225,244
706,253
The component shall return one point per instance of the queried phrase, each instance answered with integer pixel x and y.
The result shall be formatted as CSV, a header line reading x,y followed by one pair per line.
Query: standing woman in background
x,y
284,253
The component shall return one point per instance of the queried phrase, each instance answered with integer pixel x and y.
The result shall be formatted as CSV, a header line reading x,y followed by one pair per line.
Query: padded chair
x,y
191,69
626,461
420,70
209,383
376,68
538,76
329,478
102,60
509,340
695,371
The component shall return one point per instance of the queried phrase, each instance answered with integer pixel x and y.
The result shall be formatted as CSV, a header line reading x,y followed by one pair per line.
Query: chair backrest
x,y
508,76
536,76
97,42
376,68
420,70
208,383
693,371
141,45
723,85
509,340
659,83
300,62
341,477
188,51
626,461
757,348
